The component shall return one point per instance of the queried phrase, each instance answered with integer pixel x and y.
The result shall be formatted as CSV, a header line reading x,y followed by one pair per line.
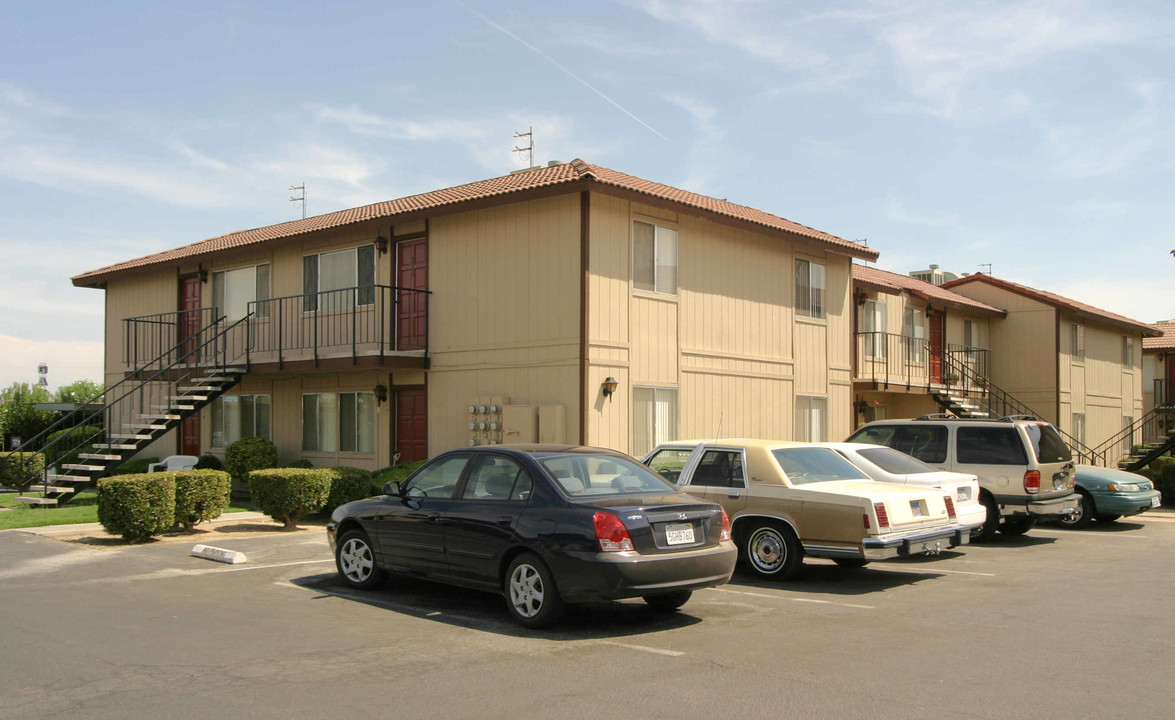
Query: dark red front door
x,y
412,274
189,335
936,348
1167,391
411,425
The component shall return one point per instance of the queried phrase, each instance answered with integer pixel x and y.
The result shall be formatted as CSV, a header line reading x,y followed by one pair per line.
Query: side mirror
x,y
392,487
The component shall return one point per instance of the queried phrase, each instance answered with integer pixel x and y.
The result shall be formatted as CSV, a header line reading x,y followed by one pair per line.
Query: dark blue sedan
x,y
544,525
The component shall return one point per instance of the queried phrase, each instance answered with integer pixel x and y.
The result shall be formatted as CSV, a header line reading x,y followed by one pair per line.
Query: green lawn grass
x,y
82,509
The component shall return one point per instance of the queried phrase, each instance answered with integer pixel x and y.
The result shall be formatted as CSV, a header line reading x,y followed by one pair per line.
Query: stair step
x,y
98,456
212,379
117,446
70,479
157,416
145,426
199,388
129,436
29,500
174,406
188,398
83,468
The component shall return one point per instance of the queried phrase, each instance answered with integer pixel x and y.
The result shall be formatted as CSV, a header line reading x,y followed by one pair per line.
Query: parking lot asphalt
x,y
1054,624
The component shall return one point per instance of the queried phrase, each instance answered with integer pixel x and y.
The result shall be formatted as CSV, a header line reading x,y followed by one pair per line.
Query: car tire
x,y
1017,526
668,602
851,562
355,561
531,595
772,551
986,531
1080,518
1107,518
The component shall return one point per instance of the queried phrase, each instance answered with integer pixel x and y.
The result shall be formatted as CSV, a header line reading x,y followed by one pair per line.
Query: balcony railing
x,y
372,320
889,359
1163,392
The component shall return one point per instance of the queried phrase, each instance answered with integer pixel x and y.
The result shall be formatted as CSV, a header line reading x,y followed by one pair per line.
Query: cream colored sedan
x,y
787,500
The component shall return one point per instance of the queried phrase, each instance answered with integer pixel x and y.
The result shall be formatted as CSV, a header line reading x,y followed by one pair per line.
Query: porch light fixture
x,y
381,393
609,386
861,298
202,273
381,244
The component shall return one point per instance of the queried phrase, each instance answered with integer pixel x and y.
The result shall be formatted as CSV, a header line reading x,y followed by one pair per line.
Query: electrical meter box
x,y
520,424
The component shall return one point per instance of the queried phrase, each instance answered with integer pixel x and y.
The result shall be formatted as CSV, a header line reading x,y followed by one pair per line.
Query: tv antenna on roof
x,y
300,198
986,265
529,149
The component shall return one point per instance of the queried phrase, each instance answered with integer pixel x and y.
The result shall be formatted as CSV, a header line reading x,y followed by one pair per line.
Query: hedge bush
x,y
1161,471
133,467
347,484
63,446
21,469
300,463
289,494
137,506
200,495
393,472
247,454
209,462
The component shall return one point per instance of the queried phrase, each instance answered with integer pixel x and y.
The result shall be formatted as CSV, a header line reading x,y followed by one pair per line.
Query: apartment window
x,y
1127,428
1079,427
809,289
654,258
654,418
970,333
239,416
1128,352
914,334
1077,341
328,279
233,290
342,422
811,423
873,325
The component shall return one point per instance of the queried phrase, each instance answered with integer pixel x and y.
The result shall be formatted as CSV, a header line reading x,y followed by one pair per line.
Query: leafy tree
x,y
79,391
19,415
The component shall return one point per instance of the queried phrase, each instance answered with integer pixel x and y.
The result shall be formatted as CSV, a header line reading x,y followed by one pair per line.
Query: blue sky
x,y
1034,136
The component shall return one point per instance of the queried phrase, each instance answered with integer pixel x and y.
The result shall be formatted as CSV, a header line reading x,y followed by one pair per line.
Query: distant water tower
x,y
43,375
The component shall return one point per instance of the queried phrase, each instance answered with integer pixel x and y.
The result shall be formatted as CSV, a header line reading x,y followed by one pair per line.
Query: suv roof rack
x,y
938,416
1014,418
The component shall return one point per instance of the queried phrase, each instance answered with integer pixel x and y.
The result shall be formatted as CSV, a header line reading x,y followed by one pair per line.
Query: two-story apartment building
x,y
919,348
570,303
1078,366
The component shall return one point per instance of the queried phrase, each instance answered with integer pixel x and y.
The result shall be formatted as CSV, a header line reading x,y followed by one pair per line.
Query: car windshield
x,y
1047,443
805,465
582,474
895,462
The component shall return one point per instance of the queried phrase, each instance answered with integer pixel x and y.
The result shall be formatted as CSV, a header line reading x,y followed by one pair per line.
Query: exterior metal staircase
x,y
1162,418
960,405
150,401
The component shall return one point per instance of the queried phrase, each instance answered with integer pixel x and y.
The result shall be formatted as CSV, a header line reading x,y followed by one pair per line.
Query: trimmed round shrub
x,y
62,447
209,462
300,463
21,469
347,484
200,495
393,472
289,494
137,506
248,454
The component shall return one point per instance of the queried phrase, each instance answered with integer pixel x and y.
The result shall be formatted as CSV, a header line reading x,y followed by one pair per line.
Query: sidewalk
x,y
251,521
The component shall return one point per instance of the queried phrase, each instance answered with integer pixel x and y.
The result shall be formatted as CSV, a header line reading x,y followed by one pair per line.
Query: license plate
x,y
1155,502
679,534
916,508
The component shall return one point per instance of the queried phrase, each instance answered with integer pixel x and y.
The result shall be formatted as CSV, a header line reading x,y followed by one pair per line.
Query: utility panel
x,y
520,424
553,424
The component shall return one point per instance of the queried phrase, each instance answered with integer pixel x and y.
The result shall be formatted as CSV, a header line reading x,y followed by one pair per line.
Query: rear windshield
x,y
584,474
989,446
805,465
895,462
1047,443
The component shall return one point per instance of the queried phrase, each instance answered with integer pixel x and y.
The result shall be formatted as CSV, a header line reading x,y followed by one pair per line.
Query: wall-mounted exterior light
x,y
381,393
609,386
381,244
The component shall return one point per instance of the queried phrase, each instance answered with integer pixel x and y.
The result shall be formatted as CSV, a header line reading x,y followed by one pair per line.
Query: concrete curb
x,y
89,528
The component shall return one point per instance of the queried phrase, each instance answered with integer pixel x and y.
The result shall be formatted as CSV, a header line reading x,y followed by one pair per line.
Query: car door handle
x,y
734,495
505,519
434,517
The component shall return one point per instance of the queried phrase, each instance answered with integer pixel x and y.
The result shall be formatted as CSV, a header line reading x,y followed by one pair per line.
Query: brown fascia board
x,y
587,182
891,290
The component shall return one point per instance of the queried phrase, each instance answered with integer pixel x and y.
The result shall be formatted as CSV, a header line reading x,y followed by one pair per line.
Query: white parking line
x,y
1063,533
641,648
276,565
794,599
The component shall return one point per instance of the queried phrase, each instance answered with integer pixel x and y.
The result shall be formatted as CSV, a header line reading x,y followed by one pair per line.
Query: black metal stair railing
x,y
140,407
1103,451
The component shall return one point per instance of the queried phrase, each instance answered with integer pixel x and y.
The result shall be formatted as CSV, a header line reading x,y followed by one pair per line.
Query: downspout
x,y
585,206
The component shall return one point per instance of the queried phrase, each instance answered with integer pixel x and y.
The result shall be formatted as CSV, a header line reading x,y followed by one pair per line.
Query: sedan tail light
x,y
950,506
1032,482
725,527
882,516
611,533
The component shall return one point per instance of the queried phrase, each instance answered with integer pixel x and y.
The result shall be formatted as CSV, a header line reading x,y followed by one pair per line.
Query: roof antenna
x,y
300,198
529,149
718,435
986,265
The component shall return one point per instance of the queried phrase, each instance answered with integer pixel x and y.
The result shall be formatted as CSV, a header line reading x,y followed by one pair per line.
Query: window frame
x,y
220,280
812,304
660,250
1077,342
364,292
338,442
656,434
804,407
875,344
218,408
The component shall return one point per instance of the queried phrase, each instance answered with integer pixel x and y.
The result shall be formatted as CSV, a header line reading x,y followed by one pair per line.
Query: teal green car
x,y
1108,494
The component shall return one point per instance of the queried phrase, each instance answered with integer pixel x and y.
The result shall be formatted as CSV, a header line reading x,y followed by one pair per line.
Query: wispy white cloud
x,y
895,210
19,97
68,361
707,157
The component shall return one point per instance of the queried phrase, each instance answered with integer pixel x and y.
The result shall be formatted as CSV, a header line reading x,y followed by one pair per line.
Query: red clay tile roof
x,y
567,173
886,281
1059,302
1166,341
